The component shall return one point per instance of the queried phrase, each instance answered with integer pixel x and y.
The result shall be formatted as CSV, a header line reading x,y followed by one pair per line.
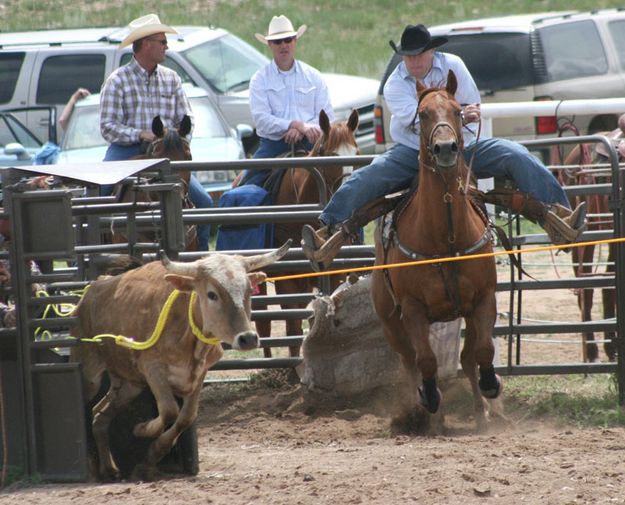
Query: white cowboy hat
x,y
144,27
281,27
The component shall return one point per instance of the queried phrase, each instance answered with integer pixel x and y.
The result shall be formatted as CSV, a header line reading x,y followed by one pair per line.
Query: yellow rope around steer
x,y
158,329
442,260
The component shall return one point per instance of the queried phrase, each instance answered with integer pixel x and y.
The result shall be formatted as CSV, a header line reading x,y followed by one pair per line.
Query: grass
x,y
580,400
350,36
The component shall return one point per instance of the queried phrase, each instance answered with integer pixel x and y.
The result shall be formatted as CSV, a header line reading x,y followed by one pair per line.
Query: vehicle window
x,y
495,60
61,75
573,50
169,63
206,120
10,64
227,63
84,129
11,130
617,30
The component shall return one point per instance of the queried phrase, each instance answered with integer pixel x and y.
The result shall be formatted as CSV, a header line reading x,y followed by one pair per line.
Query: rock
x,y
346,353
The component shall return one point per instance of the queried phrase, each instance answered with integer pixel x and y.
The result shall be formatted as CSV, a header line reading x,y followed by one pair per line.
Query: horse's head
x,y
440,117
171,143
338,138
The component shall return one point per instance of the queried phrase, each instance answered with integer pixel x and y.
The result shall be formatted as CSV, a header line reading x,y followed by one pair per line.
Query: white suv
x,y
548,56
46,67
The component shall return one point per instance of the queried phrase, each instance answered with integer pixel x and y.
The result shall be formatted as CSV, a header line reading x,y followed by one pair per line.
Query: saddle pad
x,y
244,236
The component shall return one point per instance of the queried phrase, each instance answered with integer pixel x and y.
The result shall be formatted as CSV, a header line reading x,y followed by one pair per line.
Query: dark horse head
x,y
170,143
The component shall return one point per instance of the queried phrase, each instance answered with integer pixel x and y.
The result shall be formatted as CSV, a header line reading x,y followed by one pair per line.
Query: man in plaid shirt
x,y
137,92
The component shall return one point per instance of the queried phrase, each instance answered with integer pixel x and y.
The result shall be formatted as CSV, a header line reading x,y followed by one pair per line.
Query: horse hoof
x,y
431,400
492,391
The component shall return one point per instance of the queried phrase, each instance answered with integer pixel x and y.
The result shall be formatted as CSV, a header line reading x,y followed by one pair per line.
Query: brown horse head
x,y
338,139
440,118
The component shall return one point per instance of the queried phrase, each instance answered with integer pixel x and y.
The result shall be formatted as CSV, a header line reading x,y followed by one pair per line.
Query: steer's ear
x,y
255,279
180,282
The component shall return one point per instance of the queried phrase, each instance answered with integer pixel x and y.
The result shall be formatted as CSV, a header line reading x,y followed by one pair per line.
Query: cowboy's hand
x,y
146,135
39,182
293,136
312,133
471,113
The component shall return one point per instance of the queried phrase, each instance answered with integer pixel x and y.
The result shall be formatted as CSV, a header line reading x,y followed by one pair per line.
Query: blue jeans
x,y
197,194
269,149
396,168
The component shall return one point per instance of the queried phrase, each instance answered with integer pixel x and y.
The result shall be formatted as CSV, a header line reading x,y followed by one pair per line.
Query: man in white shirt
x,y
396,168
286,97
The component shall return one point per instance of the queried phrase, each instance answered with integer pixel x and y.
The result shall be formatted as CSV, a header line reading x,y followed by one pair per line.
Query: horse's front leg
x,y
469,367
483,321
582,264
417,326
293,326
263,326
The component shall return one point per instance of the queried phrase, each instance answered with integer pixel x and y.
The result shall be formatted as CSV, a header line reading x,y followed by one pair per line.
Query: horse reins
x,y
451,237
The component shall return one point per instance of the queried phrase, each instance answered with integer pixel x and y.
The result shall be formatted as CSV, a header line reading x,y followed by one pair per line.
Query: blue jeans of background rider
x,y
268,149
197,194
396,168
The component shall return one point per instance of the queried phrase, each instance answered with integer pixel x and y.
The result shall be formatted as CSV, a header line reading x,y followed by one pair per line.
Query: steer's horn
x,y
178,267
262,260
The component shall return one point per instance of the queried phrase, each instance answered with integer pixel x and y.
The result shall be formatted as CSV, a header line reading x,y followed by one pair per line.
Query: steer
x,y
176,364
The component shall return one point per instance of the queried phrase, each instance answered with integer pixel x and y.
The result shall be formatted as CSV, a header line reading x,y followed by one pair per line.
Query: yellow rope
x,y
194,328
158,329
441,260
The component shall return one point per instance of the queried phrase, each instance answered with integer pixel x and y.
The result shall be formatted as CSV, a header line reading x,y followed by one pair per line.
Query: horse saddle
x,y
617,139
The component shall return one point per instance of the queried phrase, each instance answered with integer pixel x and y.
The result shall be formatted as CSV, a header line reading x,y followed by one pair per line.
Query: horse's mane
x,y
172,141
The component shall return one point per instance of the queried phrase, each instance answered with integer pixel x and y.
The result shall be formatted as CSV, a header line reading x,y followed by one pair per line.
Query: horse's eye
x,y
212,296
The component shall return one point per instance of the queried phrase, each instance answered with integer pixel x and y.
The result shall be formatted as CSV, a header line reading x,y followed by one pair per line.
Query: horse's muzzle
x,y
445,153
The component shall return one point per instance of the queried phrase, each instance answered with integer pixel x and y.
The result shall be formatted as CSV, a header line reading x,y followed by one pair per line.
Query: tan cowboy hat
x,y
281,27
144,27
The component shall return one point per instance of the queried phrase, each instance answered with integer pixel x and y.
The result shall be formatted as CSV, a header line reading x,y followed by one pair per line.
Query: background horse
x,y
298,186
170,143
439,221
599,218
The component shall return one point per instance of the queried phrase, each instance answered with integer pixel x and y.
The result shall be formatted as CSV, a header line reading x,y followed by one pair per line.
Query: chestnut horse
x,y
170,143
599,218
439,221
298,186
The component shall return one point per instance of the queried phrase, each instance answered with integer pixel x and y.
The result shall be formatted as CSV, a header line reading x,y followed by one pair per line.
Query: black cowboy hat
x,y
416,39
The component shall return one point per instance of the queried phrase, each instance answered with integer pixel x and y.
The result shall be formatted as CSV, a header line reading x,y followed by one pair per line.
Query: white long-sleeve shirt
x,y
400,93
277,98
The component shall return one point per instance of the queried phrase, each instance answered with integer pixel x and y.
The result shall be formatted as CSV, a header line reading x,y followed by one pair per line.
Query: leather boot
x,y
320,247
563,225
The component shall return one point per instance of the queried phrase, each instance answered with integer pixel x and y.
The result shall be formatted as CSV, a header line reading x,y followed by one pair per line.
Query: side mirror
x,y
244,131
17,149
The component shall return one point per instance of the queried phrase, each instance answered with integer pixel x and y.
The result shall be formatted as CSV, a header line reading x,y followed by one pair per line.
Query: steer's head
x,y
224,286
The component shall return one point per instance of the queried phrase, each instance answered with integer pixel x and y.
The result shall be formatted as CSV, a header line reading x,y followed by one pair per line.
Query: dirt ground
x,y
260,444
